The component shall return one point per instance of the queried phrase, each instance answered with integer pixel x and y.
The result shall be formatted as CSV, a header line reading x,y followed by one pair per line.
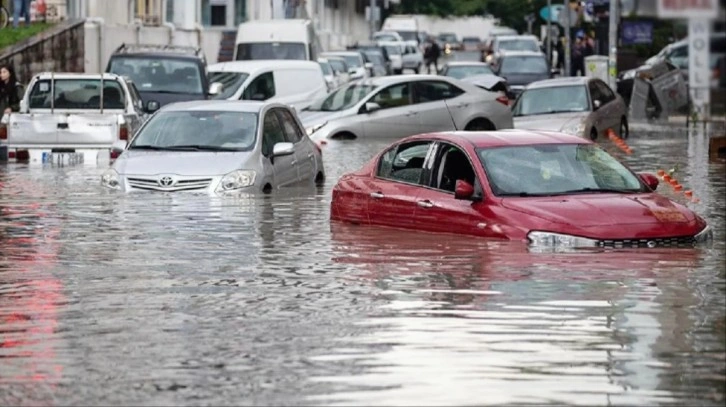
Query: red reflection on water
x,y
29,293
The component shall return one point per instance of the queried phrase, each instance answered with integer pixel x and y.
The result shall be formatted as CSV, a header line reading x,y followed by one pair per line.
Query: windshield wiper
x,y
599,191
145,147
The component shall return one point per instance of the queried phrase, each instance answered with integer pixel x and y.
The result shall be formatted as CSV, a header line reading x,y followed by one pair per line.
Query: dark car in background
x,y
520,68
164,73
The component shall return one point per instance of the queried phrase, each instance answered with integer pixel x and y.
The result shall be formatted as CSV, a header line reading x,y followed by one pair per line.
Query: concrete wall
x,y
338,28
59,49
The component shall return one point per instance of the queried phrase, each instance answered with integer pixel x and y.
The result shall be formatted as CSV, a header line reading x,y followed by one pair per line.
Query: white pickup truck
x,y
69,118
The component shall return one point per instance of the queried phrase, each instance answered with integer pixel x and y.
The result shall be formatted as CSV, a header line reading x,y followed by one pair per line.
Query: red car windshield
x,y
555,169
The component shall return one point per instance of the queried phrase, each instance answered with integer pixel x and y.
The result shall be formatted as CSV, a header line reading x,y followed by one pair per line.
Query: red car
x,y
547,188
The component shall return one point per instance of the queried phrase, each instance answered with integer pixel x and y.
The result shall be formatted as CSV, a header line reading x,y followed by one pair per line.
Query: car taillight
x,y
123,132
11,154
114,154
3,132
716,73
320,150
503,99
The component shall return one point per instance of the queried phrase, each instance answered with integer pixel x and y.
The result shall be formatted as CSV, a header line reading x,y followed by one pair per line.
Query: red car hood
x,y
584,211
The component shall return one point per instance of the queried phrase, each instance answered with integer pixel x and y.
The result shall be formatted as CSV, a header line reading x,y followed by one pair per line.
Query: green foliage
x,y
10,35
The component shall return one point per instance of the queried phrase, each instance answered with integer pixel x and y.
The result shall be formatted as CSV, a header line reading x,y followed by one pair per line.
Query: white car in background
x,y
291,82
395,52
330,78
412,58
357,67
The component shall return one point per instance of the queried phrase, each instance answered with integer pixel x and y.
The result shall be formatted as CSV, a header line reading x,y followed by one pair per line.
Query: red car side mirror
x,y
463,190
650,180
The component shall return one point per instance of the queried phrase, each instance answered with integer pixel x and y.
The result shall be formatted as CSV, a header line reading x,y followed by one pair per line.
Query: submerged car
x,y
545,188
218,147
404,105
581,106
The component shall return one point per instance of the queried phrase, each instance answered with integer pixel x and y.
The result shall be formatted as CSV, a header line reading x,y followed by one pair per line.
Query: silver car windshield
x,y
555,169
198,131
343,98
231,81
518,45
169,75
557,99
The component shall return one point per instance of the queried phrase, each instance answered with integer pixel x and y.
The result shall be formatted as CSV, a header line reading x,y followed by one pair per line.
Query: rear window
x,y
155,74
76,94
271,50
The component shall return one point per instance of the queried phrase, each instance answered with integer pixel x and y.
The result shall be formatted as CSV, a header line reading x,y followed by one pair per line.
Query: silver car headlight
x,y
549,239
237,180
110,179
576,129
704,236
312,129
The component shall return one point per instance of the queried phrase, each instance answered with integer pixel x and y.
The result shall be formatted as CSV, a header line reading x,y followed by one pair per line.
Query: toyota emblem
x,y
652,244
166,181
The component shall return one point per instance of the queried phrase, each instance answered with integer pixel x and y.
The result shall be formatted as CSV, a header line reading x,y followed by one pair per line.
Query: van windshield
x,y
231,81
154,74
271,50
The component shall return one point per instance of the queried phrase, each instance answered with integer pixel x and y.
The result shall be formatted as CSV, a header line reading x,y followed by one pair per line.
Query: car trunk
x,y
65,128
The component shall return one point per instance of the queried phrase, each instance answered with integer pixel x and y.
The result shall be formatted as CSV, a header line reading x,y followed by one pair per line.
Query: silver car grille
x,y
153,184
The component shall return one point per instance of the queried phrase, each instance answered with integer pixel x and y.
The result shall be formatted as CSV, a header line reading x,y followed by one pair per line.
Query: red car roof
x,y
504,138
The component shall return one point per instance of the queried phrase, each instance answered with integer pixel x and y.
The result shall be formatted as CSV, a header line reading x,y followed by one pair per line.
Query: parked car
x,y
677,54
508,43
164,73
399,106
462,69
341,69
545,188
355,61
331,81
412,58
377,61
295,83
449,42
374,47
72,118
582,106
471,43
521,68
395,52
387,36
218,148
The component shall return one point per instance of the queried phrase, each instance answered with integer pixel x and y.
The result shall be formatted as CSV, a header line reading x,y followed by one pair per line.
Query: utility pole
x,y
549,32
568,40
373,17
613,43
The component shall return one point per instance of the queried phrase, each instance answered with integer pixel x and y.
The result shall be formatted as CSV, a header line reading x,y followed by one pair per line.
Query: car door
x,y
435,103
304,155
611,107
396,118
284,169
397,182
597,114
437,209
260,88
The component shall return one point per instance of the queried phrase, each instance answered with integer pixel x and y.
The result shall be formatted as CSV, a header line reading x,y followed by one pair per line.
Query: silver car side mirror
x,y
215,88
283,149
372,107
596,104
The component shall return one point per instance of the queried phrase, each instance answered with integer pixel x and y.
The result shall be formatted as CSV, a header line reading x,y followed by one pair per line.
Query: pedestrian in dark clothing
x,y
9,90
431,55
577,60
561,57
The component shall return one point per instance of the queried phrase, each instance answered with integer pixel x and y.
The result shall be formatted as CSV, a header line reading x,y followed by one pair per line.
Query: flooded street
x,y
175,299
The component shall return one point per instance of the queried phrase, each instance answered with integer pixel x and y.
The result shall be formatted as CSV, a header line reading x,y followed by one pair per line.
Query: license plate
x,y
62,158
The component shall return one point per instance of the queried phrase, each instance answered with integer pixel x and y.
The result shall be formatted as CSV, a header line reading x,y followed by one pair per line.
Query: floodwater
x,y
155,299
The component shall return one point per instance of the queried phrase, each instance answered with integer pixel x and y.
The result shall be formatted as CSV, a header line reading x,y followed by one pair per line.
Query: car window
x,y
404,162
451,164
79,93
134,93
293,134
272,133
605,91
261,88
158,74
430,91
393,96
595,92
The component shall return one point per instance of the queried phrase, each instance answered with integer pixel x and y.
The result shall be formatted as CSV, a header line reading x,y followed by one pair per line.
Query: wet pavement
x,y
153,299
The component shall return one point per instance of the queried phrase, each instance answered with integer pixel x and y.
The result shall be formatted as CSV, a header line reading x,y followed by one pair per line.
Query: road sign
x,y
551,12
679,9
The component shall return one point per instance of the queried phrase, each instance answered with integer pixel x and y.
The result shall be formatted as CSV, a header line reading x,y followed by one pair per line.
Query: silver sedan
x,y
581,106
403,105
219,148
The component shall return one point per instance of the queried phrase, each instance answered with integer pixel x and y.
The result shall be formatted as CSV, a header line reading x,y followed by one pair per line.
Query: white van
x,y
405,25
295,83
277,39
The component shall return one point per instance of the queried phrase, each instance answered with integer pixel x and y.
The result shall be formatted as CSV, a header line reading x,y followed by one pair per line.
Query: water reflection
x,y
164,299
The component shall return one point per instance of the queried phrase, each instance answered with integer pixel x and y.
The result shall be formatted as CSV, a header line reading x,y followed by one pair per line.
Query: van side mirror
x,y
596,104
215,88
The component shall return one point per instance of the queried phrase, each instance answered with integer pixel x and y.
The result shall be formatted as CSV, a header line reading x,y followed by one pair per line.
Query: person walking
x,y
432,54
578,57
21,7
9,90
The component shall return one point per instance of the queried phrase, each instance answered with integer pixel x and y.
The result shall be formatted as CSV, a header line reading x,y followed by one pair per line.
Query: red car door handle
x,y
425,204
377,195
